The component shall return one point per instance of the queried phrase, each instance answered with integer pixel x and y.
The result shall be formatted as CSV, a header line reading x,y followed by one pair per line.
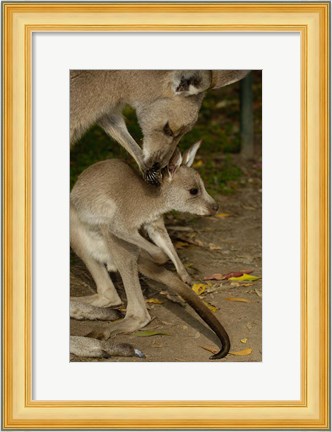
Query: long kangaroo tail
x,y
171,280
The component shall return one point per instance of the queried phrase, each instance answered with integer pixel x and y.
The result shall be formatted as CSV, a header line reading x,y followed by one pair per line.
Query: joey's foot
x,y
120,350
88,347
84,311
101,300
128,325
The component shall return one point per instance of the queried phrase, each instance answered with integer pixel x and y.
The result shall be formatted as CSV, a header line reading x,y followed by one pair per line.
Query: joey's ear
x,y
174,163
189,155
187,83
224,77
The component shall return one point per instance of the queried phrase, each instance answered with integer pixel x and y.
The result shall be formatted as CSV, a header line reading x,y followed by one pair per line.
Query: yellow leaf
x,y
238,299
222,215
198,164
213,246
181,244
244,352
244,340
148,333
199,288
245,277
211,349
154,301
211,306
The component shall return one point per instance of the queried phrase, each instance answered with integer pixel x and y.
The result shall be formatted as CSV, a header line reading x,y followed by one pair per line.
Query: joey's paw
x,y
159,257
186,278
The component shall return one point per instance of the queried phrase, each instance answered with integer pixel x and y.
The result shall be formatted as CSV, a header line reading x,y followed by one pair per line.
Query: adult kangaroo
x,y
166,103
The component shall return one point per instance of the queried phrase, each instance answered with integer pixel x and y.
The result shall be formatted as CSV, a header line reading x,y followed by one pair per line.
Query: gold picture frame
x,y
20,21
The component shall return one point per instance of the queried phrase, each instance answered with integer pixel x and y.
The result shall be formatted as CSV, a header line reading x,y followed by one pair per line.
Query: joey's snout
x,y
213,208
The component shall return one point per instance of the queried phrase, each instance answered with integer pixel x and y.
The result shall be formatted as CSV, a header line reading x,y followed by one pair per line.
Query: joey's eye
x,y
167,130
193,191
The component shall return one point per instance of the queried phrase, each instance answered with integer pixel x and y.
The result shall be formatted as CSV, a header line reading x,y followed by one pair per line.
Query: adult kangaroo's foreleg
x,y
115,126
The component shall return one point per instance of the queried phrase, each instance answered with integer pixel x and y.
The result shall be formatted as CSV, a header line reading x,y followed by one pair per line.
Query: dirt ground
x,y
231,242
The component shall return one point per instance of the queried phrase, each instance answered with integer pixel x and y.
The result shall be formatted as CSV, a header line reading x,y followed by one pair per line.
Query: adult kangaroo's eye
x,y
193,191
167,130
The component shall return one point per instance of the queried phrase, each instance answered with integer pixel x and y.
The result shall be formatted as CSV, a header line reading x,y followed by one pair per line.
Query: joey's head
x,y
165,120
182,187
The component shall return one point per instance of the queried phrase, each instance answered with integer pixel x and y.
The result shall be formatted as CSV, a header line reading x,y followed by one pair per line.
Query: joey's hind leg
x,y
137,316
107,295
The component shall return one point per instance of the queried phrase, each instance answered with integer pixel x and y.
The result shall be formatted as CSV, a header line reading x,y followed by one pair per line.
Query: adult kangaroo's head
x,y
166,119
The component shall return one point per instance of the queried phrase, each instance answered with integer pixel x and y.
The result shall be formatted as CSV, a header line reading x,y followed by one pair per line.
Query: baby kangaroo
x,y
110,204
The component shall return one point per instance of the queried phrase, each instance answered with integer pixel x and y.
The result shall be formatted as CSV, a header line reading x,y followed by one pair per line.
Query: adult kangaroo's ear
x,y
224,77
174,163
187,83
189,155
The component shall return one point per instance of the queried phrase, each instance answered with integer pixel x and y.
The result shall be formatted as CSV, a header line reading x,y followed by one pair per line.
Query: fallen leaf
x,y
210,306
199,288
238,299
244,352
154,301
198,164
215,276
244,340
211,349
213,288
179,228
147,333
221,276
213,246
222,215
246,284
244,277
258,293
232,275
181,245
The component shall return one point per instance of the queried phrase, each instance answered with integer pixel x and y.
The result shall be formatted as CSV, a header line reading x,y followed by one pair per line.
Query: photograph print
x,y
166,216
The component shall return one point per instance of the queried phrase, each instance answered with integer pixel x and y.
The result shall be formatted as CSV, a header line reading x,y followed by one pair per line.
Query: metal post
x,y
246,117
